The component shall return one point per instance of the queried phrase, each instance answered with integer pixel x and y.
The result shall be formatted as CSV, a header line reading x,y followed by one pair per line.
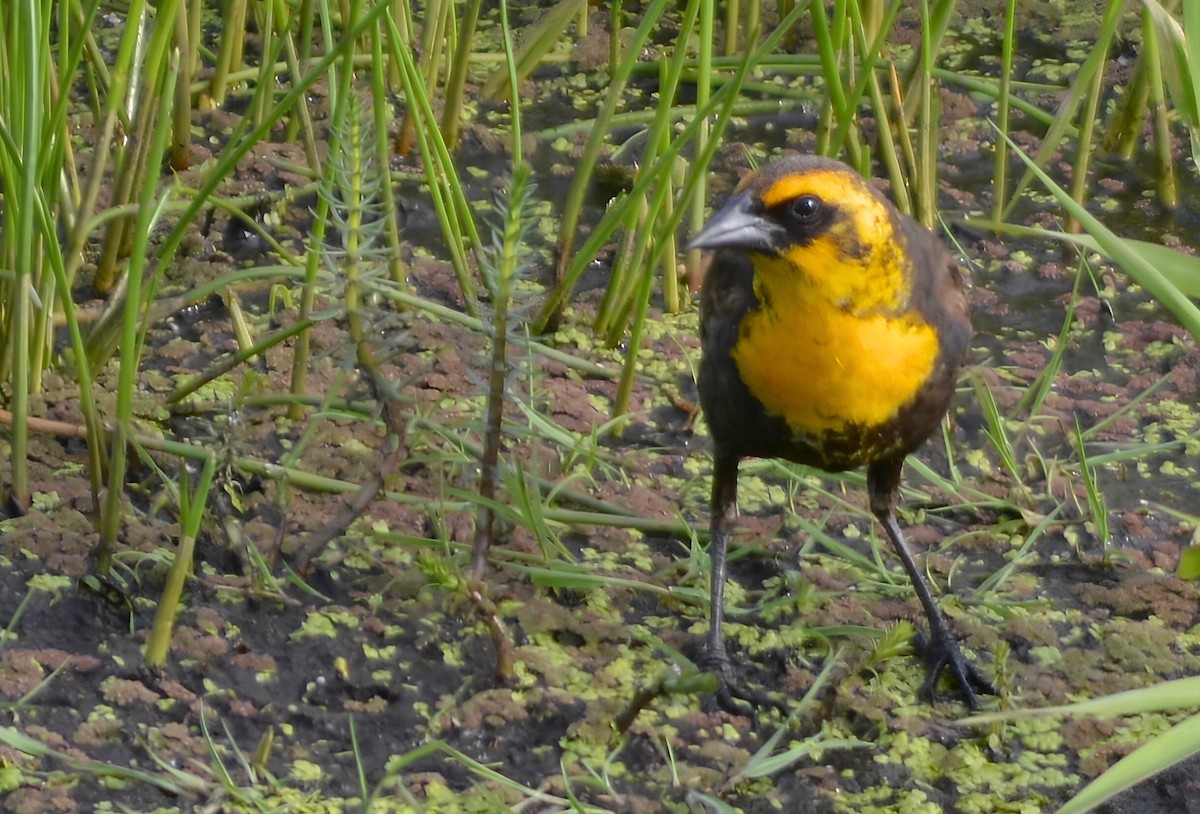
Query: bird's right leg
x,y
715,658
942,652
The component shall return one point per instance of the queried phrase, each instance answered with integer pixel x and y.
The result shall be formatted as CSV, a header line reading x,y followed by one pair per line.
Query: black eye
x,y
806,208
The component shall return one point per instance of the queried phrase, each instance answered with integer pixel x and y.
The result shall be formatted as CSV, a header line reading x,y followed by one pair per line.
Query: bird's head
x,y
817,221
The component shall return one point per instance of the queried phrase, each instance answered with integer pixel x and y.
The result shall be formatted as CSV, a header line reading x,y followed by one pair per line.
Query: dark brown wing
x,y
725,298
938,296
938,293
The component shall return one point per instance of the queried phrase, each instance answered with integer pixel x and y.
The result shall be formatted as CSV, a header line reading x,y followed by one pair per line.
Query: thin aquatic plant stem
x,y
573,206
1084,144
454,212
316,244
131,335
1059,125
158,645
704,68
928,114
732,19
1168,191
503,278
615,215
623,293
28,24
181,110
397,268
1004,108
459,65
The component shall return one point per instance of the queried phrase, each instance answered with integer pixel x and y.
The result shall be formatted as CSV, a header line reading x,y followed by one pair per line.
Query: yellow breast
x,y
813,362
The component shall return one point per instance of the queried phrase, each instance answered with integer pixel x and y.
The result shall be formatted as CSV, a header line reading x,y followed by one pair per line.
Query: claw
x,y
731,696
941,648
942,654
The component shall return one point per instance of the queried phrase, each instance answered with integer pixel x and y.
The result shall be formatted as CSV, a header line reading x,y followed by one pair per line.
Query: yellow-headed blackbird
x,y
833,329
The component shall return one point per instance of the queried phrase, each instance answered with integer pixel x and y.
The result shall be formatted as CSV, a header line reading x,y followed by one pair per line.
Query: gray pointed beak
x,y
736,226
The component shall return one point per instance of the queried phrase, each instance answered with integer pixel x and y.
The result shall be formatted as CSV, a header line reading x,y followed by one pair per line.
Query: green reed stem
x,y
1036,393
535,45
192,507
902,195
260,102
181,110
928,115
869,81
1004,108
229,56
1168,191
450,202
133,163
733,18
934,24
301,123
1125,125
1097,504
751,23
338,73
616,214
621,300
131,326
835,111
1084,144
704,69
573,206
28,25
458,73
1093,64
390,214
502,278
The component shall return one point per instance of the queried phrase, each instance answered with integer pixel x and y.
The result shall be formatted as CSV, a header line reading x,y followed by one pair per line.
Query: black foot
x,y
731,696
942,654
